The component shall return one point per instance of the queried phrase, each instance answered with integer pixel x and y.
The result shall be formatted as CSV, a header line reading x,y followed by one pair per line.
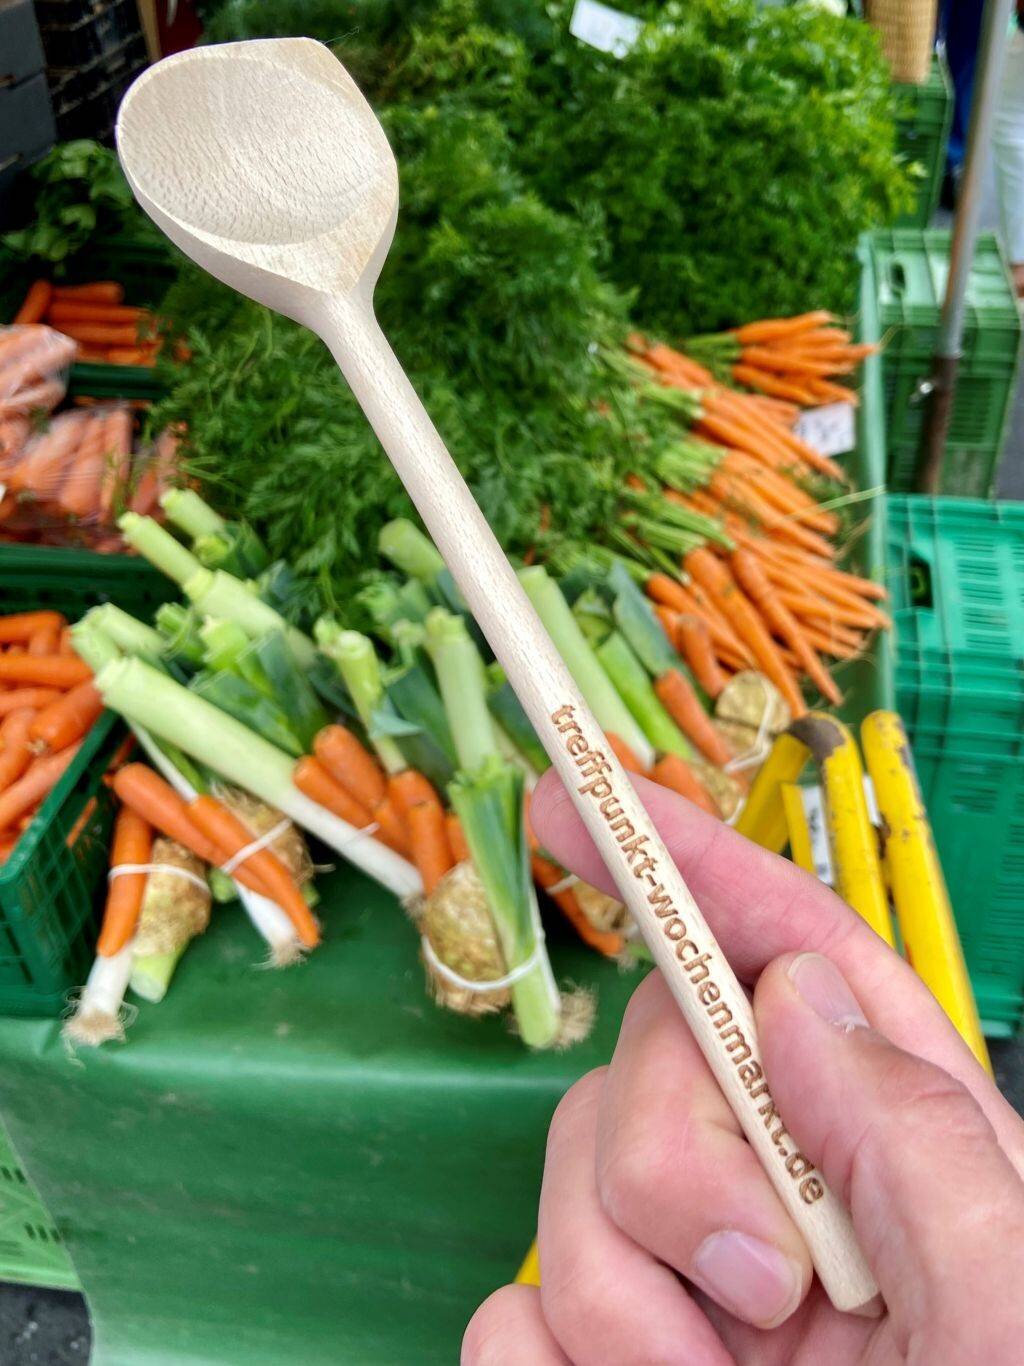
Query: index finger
x,y
760,906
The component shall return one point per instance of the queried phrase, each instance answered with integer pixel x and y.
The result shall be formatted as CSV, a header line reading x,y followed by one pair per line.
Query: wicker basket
x,y
907,32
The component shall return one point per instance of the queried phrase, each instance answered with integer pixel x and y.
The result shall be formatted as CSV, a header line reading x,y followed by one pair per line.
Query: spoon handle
x,y
712,1000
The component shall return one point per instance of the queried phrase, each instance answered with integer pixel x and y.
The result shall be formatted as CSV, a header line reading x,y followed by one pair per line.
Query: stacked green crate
x,y
911,268
956,572
923,116
31,1250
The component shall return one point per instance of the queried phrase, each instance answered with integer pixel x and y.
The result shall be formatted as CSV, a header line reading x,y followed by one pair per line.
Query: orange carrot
x,y
131,355
623,752
157,802
408,789
755,582
132,843
666,591
350,764
548,875
428,838
117,457
22,626
694,642
312,779
49,671
771,329
675,773
224,829
456,838
93,311
15,746
392,829
716,580
40,778
67,719
35,303
45,640
66,643
98,291
676,694
102,334
34,698
80,492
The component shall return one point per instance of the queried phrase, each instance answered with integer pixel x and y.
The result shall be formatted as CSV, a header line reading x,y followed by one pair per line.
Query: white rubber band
x,y
254,847
566,884
457,980
125,869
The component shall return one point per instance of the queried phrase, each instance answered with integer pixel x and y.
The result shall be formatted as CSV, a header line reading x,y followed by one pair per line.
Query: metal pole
x,y
941,387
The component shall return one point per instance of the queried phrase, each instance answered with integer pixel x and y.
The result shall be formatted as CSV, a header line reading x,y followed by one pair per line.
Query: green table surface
x,y
308,1166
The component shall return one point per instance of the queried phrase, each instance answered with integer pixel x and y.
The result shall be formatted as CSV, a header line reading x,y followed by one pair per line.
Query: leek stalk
x,y
487,795
634,686
606,704
359,667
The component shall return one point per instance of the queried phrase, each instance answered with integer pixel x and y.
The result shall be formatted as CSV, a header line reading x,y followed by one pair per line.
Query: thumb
x,y
936,1203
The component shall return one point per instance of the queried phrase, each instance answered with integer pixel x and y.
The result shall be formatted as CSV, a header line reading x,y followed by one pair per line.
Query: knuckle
x,y
580,1098
637,1168
581,1297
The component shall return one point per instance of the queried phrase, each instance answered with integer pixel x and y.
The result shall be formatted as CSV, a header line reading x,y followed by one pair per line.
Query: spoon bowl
x,y
278,174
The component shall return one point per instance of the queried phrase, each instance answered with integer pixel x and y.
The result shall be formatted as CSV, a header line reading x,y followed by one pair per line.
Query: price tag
x,y
605,28
830,429
814,813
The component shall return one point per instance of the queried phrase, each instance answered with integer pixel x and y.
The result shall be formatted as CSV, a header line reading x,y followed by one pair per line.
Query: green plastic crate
x,y
867,682
48,889
31,1249
922,133
956,573
912,267
145,269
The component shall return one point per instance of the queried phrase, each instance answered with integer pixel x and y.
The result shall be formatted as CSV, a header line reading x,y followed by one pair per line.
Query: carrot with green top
x,y
132,844
759,588
716,580
677,695
693,640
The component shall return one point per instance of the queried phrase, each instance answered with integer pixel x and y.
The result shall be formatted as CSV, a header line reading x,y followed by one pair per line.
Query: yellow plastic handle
x,y
927,925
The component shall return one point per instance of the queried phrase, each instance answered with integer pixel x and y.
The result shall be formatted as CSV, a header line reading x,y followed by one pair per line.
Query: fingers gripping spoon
x,y
263,162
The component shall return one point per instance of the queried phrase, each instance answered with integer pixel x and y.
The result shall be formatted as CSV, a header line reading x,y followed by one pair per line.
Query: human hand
x,y
660,1237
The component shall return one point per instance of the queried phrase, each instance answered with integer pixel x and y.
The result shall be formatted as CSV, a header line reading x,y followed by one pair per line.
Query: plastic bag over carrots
x,y
34,361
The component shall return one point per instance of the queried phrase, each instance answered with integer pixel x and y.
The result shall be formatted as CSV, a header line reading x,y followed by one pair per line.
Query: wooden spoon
x,y
263,162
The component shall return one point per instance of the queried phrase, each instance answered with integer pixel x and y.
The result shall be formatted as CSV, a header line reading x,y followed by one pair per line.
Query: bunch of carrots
x,y
47,706
773,597
97,318
793,359
206,828
69,479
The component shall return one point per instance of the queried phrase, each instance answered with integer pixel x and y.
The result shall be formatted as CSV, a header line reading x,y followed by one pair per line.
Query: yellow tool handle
x,y
800,848
763,819
927,925
851,836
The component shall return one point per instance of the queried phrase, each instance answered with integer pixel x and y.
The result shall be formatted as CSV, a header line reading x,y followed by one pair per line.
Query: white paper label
x,y
605,28
814,813
830,429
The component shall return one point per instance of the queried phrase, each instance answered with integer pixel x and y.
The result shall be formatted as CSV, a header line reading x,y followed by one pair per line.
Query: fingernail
x,y
753,1280
824,988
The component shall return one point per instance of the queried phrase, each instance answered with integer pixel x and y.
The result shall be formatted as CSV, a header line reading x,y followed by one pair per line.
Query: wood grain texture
x,y
264,163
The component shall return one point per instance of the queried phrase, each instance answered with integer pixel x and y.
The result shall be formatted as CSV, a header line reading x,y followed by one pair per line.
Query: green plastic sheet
x,y
311,1166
